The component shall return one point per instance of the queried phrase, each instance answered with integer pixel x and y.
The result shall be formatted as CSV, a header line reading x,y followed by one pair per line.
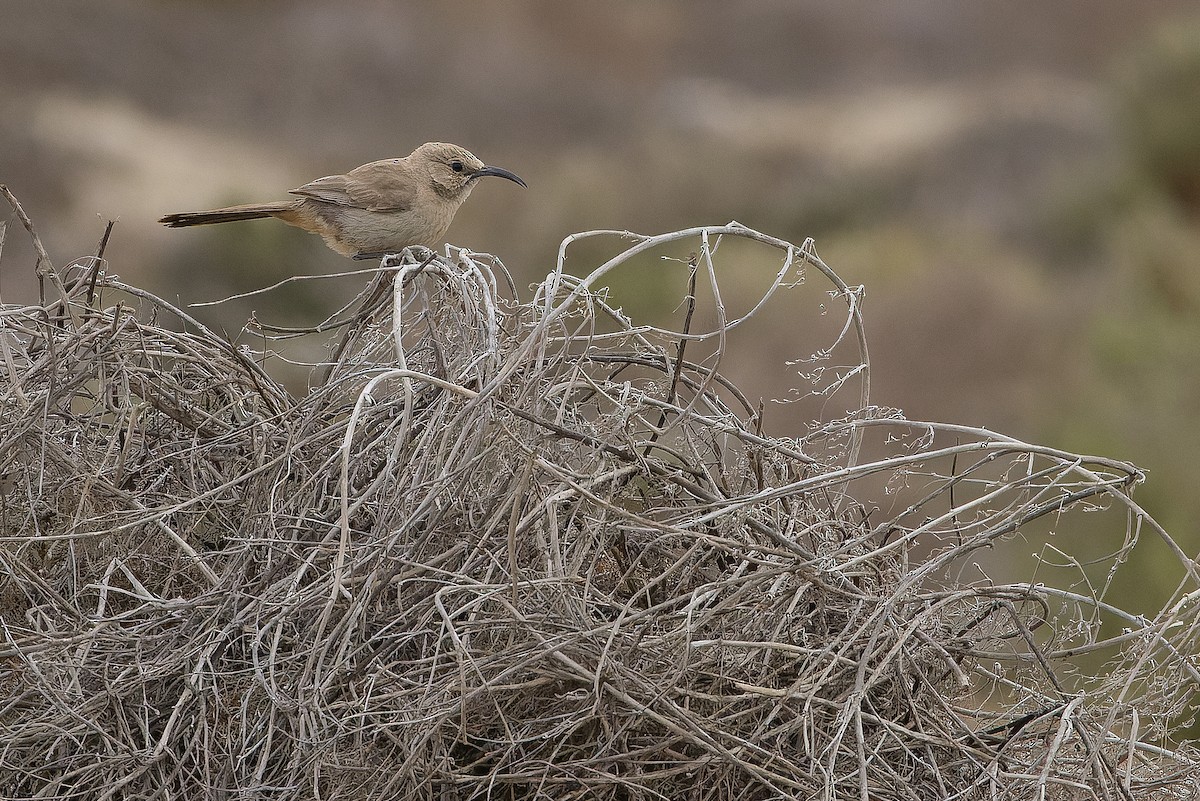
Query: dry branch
x,y
528,550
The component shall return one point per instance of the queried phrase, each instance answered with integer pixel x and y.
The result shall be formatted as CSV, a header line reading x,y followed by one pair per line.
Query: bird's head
x,y
453,170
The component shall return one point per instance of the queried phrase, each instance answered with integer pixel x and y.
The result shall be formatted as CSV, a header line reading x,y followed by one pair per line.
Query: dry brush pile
x,y
533,549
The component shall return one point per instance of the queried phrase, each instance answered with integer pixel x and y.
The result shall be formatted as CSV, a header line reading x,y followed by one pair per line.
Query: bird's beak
x,y
497,171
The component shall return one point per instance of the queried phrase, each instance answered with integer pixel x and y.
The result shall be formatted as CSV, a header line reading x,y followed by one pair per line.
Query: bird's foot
x,y
418,253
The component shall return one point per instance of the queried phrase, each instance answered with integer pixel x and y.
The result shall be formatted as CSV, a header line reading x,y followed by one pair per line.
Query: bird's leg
x,y
419,253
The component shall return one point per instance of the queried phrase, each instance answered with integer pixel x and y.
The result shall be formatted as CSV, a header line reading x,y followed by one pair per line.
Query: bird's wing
x,y
330,189
378,186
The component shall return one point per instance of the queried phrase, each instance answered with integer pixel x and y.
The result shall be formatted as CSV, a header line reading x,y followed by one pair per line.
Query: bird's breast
x,y
361,230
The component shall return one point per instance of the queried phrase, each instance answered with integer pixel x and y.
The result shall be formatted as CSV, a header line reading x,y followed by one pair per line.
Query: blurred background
x,y
1016,183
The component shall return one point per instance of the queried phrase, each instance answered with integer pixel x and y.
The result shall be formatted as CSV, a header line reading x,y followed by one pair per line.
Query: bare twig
x,y
515,549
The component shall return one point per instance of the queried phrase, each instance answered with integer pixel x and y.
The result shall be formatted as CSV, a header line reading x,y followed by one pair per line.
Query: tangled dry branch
x,y
536,550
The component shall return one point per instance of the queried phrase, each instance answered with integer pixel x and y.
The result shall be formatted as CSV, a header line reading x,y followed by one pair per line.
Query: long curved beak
x,y
499,172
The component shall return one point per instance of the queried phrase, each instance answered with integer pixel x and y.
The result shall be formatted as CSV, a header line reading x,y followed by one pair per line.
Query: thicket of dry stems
x,y
531,549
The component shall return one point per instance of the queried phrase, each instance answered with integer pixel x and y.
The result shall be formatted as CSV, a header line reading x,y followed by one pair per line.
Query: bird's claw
x,y
418,253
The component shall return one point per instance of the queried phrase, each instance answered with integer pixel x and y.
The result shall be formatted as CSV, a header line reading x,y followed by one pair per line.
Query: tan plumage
x,y
380,207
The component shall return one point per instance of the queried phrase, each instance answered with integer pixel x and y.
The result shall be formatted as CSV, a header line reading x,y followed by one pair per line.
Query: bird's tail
x,y
251,211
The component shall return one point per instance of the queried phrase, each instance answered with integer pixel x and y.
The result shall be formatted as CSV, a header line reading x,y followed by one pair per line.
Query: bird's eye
x,y
457,166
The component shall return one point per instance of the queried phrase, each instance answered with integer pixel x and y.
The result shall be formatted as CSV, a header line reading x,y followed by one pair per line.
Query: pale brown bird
x,y
381,207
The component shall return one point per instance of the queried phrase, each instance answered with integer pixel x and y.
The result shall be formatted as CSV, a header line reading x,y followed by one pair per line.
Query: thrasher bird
x,y
381,207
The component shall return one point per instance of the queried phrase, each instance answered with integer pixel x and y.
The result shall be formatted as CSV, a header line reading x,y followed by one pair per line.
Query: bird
x,y
379,208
